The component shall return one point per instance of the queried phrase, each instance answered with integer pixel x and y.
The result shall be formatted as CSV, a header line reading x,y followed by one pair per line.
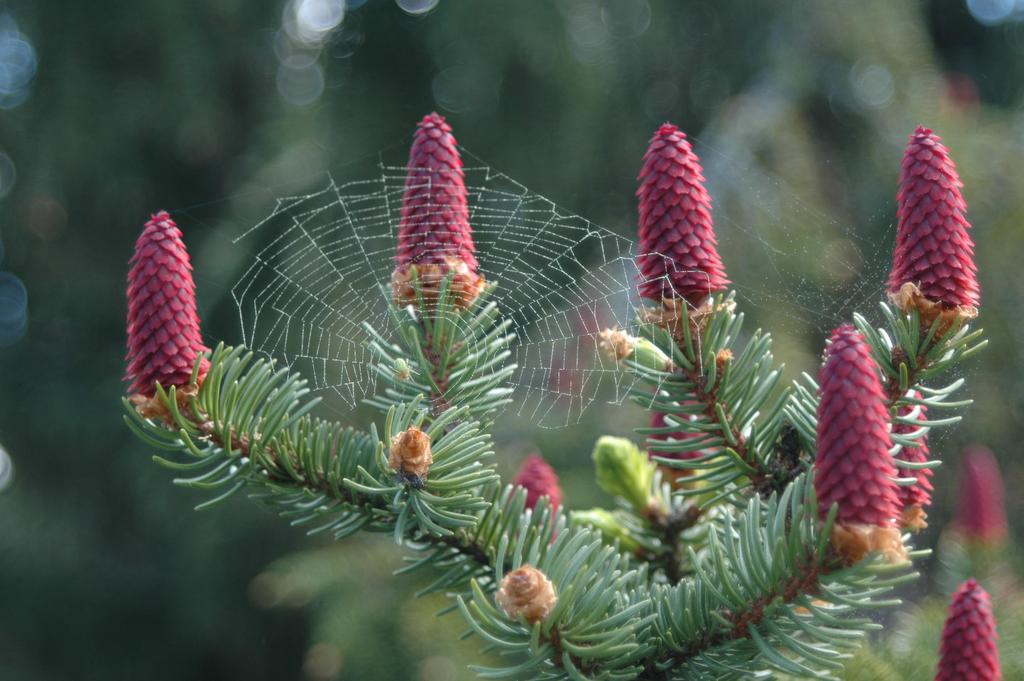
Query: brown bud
x,y
913,518
854,541
410,453
154,408
466,284
526,592
615,344
673,310
723,357
909,297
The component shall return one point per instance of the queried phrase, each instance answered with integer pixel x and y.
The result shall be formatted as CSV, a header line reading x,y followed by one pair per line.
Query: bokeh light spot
x,y
46,217
6,469
17,64
417,6
626,19
323,662
437,668
873,85
7,174
589,36
991,11
13,309
300,84
314,19
471,87
296,54
346,40
660,98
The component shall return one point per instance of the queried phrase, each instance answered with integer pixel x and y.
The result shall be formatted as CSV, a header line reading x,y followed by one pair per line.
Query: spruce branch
x,y
437,291
722,392
650,522
907,354
910,351
505,528
597,627
248,427
721,404
771,597
456,356
749,566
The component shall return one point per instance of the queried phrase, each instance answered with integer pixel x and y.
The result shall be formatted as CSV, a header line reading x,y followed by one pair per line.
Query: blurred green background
x,y
109,111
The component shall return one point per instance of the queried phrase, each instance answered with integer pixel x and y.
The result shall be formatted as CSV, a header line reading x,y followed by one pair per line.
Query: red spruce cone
x,y
539,480
853,466
163,327
934,252
968,649
434,237
981,514
914,498
678,254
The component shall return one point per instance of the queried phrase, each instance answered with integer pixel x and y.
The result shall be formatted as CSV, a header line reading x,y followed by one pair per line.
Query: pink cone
x,y
933,250
539,479
853,466
981,513
163,327
678,251
968,650
434,222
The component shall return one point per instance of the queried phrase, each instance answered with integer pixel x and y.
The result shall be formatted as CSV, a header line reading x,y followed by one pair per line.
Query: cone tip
x,y
668,129
160,216
433,120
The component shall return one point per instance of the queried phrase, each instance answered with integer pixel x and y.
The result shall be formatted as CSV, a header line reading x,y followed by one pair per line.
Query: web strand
x,y
323,262
324,271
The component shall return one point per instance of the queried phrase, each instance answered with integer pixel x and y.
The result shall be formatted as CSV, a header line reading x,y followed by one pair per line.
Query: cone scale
x,y
968,649
434,236
678,250
853,467
933,267
164,336
538,478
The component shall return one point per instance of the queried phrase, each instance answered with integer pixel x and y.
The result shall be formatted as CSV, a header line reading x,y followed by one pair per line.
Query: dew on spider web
x,y
324,272
803,265
322,264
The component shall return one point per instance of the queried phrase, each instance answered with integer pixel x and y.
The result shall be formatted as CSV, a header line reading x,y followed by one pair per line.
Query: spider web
x,y
326,268
792,260
322,263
